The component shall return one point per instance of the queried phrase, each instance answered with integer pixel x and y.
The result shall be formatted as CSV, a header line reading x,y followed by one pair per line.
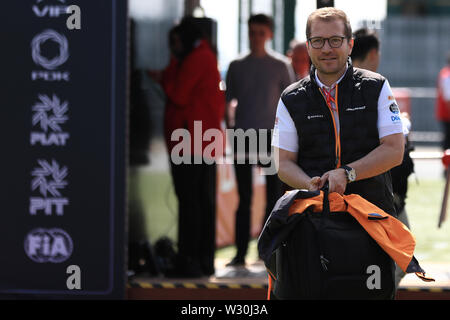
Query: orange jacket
x,y
390,234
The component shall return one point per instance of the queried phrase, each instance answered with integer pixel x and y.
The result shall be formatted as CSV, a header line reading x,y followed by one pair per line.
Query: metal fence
x,y
413,51
425,129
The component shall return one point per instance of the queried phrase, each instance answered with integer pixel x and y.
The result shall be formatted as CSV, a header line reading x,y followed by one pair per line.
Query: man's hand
x,y
290,173
314,184
337,180
230,113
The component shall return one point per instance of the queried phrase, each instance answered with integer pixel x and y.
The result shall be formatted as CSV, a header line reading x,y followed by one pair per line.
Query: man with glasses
x,y
340,124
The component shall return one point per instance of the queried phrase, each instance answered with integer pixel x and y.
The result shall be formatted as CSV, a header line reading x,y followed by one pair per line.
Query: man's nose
x,y
326,47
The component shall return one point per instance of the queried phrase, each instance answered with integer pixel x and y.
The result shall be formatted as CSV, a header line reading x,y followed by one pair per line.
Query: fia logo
x,y
48,245
46,60
49,179
49,114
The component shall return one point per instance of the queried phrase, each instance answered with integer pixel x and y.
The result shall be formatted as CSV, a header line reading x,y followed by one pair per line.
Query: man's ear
x,y
373,53
290,53
351,43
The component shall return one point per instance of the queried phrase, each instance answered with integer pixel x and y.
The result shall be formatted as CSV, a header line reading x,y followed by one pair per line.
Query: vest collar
x,y
348,73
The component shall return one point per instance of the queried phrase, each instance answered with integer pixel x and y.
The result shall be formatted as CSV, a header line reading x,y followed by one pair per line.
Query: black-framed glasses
x,y
319,42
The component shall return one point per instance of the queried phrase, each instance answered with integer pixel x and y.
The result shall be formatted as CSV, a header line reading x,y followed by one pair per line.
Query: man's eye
x,y
335,41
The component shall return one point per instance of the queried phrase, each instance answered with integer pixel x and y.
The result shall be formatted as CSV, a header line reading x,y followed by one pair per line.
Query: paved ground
x,y
427,162
254,276
255,272
438,271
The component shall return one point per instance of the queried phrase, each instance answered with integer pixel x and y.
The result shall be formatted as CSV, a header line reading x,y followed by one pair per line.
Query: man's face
x,y
370,62
176,46
329,60
300,61
258,35
375,55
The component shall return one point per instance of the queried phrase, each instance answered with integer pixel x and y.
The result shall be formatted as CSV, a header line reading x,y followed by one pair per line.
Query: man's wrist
x,y
350,173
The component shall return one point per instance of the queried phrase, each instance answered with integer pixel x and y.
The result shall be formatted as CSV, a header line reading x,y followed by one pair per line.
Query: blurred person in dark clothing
x,y
366,52
140,253
366,55
191,83
254,83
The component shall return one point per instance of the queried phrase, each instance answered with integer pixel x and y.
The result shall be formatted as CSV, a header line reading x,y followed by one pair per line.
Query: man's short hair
x,y
261,19
364,41
294,44
329,14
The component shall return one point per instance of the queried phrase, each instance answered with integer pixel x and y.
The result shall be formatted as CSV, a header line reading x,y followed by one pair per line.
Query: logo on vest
x,y
356,108
394,108
315,116
396,111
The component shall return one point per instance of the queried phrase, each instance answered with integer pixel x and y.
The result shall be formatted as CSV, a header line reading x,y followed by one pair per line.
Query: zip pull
x,y
324,262
338,155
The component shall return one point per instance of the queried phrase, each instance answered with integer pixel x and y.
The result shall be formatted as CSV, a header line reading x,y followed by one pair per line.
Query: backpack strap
x,y
325,214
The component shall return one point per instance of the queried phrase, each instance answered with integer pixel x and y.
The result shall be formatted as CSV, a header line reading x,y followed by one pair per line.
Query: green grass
x,y
423,208
155,191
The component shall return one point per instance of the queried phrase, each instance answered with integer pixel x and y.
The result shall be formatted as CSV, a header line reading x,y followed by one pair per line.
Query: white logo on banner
x,y
42,175
49,114
52,11
55,62
50,63
48,245
49,180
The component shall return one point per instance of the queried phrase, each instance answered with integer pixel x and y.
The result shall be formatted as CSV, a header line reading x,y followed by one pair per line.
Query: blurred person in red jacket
x,y
195,104
298,54
443,102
